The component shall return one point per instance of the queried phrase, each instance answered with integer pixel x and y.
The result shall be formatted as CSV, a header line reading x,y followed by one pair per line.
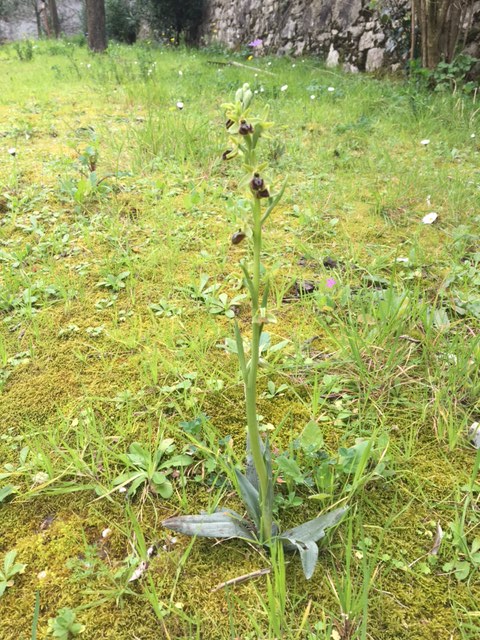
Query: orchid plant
x,y
256,485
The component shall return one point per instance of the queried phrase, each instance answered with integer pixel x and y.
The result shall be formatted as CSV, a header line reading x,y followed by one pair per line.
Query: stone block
x,y
333,57
374,59
367,41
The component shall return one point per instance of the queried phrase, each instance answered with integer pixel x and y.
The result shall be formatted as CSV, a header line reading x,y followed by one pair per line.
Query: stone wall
x,y
22,23
361,35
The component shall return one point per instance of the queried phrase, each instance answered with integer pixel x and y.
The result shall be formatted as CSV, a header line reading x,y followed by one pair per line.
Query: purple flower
x,y
331,283
255,43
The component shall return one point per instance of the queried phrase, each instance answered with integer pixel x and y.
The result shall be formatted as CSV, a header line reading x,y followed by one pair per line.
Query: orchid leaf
x,y
250,471
267,456
221,524
308,555
266,291
240,351
312,530
274,201
250,497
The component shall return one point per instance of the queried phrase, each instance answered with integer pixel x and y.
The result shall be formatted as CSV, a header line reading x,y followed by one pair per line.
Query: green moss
x,y
374,182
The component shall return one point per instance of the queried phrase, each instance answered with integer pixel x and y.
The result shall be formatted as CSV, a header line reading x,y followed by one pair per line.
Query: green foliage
x,y
7,492
176,18
64,626
113,282
122,20
24,50
150,468
390,350
9,570
447,76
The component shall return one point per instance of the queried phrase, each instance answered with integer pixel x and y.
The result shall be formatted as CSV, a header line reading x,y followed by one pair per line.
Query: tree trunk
x,y
54,19
37,18
440,23
97,34
42,12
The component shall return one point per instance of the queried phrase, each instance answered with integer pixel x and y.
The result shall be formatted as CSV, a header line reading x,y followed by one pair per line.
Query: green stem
x,y
251,383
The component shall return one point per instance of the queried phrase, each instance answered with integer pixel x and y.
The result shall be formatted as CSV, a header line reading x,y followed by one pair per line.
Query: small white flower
x,y
180,73
122,490
312,97
262,89
425,142
12,151
42,575
472,136
255,75
284,87
474,434
106,533
88,66
256,91
268,64
404,260
40,478
179,105
331,89
430,218
293,66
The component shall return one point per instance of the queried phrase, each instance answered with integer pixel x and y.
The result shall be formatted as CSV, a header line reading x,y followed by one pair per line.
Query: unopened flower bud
x,y
237,237
228,154
245,129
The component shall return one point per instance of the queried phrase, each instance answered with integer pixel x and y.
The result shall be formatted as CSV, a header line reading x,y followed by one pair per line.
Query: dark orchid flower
x,y
257,185
245,129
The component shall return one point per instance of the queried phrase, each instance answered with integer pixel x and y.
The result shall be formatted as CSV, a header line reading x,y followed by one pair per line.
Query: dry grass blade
x,y
240,579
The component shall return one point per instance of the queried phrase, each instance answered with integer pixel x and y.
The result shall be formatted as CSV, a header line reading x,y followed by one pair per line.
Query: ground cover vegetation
x,y
125,255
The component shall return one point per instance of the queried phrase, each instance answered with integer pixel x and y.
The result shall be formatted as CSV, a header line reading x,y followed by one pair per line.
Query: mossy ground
x,y
359,182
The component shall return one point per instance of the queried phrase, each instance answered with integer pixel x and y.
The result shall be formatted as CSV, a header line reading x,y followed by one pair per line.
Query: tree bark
x,y
97,34
54,19
37,18
440,24
42,12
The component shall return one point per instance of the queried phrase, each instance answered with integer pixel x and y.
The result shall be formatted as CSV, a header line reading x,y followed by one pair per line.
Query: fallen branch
x,y
232,63
244,578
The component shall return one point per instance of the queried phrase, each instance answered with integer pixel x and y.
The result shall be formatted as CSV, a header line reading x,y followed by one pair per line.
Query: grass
x,y
390,353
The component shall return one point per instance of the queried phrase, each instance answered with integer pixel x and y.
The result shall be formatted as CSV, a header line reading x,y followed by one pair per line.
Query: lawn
x,y
119,290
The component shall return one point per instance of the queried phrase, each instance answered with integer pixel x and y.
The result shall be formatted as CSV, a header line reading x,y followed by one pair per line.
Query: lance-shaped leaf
x,y
221,524
248,279
7,492
250,497
273,202
250,471
304,537
312,530
241,352
267,457
308,554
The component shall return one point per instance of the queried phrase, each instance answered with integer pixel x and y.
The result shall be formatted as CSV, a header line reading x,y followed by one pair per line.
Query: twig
x,y
232,63
244,578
